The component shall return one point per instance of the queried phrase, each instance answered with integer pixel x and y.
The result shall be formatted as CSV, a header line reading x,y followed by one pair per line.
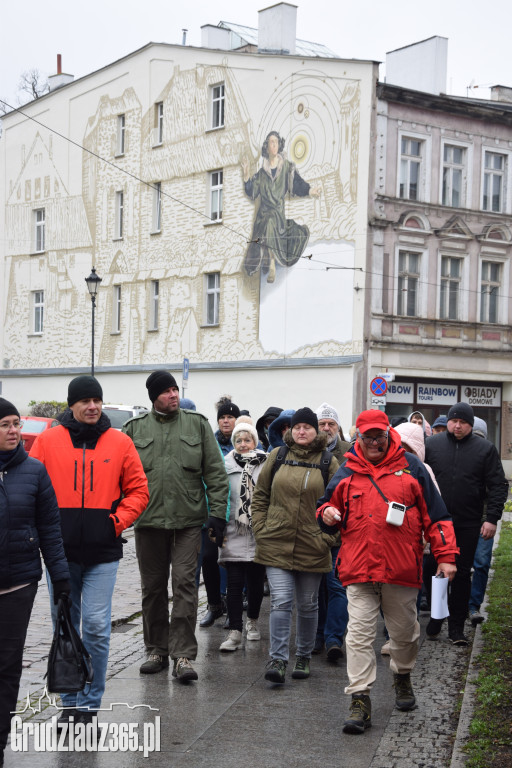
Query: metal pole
x,y
93,299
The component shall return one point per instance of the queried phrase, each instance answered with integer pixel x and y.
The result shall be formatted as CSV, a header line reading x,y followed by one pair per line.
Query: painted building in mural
x,y
222,197
441,286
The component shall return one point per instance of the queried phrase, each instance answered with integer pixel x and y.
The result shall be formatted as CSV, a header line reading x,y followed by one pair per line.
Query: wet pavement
x,y
232,716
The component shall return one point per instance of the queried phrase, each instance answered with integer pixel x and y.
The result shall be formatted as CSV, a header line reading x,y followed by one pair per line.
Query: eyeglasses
x,y
379,440
5,426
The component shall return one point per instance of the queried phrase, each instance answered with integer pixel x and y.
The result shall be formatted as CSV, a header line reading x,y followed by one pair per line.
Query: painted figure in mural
x,y
274,237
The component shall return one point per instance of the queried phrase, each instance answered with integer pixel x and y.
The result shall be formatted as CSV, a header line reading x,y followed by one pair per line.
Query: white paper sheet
x,y
439,599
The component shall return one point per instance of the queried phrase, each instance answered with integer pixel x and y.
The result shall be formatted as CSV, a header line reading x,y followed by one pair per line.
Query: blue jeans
x,y
336,619
284,585
92,587
481,565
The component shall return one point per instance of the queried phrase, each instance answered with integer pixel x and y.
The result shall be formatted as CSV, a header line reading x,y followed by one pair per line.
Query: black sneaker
x,y
458,637
301,668
360,715
434,628
276,671
64,717
334,652
404,695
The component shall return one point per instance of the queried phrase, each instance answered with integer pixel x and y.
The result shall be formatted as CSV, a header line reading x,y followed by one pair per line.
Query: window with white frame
x,y
495,167
156,222
37,311
121,128
116,309
212,298
119,214
154,296
489,291
215,181
39,230
411,157
408,283
158,134
454,171
449,292
217,105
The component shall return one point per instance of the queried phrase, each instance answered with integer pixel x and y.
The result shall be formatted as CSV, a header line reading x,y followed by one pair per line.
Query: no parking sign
x,y
378,386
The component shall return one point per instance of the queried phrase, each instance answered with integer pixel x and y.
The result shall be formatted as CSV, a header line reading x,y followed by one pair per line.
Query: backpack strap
x,y
324,465
280,460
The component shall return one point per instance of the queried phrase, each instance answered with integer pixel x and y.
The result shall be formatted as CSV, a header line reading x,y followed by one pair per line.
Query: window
x,y
454,162
494,175
216,178
212,294
156,224
116,309
39,234
37,311
119,214
154,293
408,283
158,133
410,168
451,273
120,134
489,292
217,106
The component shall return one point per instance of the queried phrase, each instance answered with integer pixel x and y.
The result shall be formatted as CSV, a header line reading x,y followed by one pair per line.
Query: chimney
x,y
501,93
421,66
217,38
59,79
184,38
277,29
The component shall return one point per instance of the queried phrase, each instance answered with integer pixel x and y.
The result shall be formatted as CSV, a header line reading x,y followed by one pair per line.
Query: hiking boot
x,y
476,618
334,652
233,641
276,671
64,717
434,628
154,663
458,637
301,668
214,612
404,695
251,628
360,715
183,670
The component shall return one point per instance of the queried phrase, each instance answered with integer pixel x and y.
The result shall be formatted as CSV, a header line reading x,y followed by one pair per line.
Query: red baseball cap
x,y
372,419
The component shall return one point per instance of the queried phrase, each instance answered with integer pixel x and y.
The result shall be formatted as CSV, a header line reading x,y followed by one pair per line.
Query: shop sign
x,y
481,396
437,394
400,392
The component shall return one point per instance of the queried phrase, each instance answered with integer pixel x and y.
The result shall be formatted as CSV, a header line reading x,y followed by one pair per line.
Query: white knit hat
x,y
244,424
326,411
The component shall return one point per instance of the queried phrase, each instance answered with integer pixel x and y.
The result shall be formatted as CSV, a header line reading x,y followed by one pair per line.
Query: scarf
x,y
248,461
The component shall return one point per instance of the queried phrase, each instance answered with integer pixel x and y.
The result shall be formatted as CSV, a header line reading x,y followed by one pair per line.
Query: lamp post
x,y
93,282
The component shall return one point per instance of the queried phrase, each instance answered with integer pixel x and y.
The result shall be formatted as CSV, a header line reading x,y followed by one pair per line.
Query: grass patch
x,y
489,744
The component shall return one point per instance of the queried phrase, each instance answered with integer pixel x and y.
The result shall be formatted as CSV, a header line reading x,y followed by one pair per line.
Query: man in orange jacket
x,y
101,489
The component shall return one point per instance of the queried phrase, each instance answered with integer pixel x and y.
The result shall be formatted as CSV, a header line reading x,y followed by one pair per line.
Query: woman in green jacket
x,y
289,542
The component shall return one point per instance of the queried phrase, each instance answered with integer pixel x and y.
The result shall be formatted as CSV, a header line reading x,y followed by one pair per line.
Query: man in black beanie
x,y
101,489
183,463
468,471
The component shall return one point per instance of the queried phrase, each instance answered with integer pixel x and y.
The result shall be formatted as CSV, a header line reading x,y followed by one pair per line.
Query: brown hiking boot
x,y
404,695
360,715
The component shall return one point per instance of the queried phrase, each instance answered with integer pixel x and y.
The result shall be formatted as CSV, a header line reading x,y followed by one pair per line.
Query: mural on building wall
x,y
274,237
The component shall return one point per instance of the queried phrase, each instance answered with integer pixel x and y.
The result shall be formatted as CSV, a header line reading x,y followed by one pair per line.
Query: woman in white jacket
x,y
243,466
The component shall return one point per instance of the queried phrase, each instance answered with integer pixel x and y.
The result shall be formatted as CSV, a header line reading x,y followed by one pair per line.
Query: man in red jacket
x,y
101,489
383,501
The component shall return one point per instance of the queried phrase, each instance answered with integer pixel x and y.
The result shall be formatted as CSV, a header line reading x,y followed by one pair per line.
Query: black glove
x,y
61,589
215,527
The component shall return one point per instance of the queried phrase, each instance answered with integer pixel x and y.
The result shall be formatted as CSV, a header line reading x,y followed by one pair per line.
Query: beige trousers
x,y
399,608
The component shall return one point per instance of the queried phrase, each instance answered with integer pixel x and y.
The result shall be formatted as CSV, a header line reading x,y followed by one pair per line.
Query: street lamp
x,y
93,282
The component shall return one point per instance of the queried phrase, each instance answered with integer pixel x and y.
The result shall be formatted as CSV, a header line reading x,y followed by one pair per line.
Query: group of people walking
x,y
287,500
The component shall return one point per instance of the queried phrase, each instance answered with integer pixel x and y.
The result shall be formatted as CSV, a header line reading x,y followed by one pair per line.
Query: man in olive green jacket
x,y
183,466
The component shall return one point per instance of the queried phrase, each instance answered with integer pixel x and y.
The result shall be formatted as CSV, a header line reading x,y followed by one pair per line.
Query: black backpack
x,y
324,465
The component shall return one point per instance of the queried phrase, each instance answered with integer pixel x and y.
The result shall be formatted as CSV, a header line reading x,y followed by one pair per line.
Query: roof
x,y
243,35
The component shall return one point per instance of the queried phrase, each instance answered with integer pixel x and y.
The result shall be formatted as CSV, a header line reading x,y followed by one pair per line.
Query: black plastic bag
x,y
69,664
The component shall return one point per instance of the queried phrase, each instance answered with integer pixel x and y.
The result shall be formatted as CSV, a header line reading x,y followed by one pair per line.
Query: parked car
x,y
32,426
119,414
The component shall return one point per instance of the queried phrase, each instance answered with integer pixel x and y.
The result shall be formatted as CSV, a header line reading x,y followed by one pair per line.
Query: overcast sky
x,y
92,34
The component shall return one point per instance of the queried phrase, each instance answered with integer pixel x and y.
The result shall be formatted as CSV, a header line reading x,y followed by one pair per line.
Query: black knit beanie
x,y
157,382
7,409
462,411
82,388
305,416
228,409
